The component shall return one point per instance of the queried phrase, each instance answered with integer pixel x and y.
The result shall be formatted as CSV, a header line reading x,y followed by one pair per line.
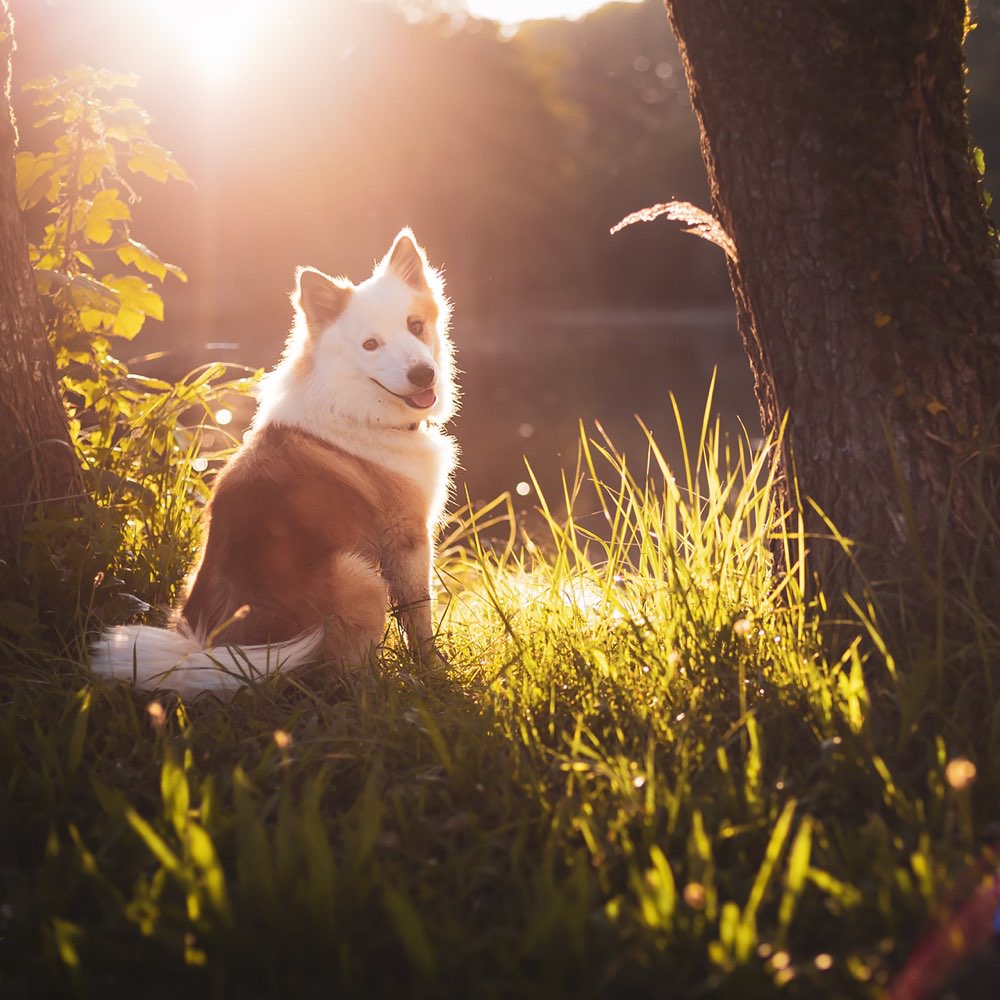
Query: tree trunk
x,y
836,142
37,463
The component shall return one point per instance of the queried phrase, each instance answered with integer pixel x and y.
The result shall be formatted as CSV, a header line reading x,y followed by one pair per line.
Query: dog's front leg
x,y
407,573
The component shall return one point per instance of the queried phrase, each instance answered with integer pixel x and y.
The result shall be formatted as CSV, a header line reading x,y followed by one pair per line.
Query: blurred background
x,y
314,129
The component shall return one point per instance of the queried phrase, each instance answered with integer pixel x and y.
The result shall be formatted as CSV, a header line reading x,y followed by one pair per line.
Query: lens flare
x,y
216,32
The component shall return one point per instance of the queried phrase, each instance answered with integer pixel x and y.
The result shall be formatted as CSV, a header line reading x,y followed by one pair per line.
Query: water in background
x,y
529,381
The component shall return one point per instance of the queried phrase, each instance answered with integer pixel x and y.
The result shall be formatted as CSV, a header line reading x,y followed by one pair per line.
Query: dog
x,y
329,510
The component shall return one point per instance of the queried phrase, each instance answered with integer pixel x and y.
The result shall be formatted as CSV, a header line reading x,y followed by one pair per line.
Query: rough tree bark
x,y
37,463
835,137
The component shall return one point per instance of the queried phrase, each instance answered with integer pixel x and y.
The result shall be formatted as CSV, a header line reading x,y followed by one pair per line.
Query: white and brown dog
x,y
328,511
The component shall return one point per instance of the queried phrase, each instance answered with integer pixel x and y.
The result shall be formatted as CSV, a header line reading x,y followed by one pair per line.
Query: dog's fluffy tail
x,y
164,659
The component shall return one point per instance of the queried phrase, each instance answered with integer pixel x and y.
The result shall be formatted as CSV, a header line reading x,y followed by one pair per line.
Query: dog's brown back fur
x,y
284,514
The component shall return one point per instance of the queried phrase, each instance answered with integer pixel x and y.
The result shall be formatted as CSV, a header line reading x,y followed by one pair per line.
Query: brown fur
x,y
426,307
302,533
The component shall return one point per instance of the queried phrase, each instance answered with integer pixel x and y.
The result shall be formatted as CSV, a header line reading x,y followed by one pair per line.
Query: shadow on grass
x,y
370,834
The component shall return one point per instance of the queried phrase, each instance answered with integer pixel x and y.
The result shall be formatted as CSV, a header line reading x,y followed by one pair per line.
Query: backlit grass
x,y
641,774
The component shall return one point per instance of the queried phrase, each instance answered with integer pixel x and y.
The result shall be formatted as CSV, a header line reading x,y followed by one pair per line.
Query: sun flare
x,y
512,12
216,32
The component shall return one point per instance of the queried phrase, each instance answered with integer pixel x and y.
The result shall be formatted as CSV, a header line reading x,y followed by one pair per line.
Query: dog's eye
x,y
415,325
370,344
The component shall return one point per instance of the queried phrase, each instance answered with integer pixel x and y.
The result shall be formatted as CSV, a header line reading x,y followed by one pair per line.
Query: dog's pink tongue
x,y
421,400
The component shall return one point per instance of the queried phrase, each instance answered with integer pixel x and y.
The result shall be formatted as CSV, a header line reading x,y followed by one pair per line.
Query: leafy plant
x,y
140,439
640,766
82,179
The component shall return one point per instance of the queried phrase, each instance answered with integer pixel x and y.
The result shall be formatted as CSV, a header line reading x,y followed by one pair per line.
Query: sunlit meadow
x,y
654,763
639,767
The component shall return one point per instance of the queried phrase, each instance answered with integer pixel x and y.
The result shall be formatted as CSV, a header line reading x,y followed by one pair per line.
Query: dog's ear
x,y
320,298
407,261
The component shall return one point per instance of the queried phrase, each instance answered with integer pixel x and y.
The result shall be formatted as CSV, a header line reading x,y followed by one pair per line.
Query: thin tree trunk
x,y
835,137
37,463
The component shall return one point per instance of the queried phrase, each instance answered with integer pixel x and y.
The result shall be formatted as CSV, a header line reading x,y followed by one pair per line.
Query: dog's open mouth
x,y
422,399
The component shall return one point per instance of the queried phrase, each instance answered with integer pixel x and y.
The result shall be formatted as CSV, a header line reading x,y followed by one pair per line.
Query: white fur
x,y
342,403
175,660
342,399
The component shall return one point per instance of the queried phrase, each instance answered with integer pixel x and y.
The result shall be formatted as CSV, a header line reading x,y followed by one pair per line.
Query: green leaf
x,y
118,303
136,301
93,320
105,208
203,854
154,161
125,122
102,79
657,891
87,292
41,83
141,257
128,323
795,875
94,161
175,794
134,293
66,935
156,844
747,937
127,107
38,177
78,733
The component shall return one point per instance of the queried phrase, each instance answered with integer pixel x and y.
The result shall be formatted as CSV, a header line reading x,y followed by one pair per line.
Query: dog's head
x,y
381,348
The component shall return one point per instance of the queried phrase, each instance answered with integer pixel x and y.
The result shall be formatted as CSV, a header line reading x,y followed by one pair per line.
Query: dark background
x,y
511,157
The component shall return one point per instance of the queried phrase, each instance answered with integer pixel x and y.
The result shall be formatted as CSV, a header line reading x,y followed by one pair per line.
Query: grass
x,y
640,774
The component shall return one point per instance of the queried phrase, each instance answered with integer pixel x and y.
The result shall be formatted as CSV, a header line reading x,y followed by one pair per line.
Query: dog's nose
x,y
422,376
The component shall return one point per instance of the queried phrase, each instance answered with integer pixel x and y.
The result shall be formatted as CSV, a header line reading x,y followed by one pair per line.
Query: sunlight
x,y
515,11
215,31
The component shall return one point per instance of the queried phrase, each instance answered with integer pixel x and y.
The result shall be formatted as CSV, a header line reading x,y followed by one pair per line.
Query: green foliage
x,y
85,180
638,768
141,440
